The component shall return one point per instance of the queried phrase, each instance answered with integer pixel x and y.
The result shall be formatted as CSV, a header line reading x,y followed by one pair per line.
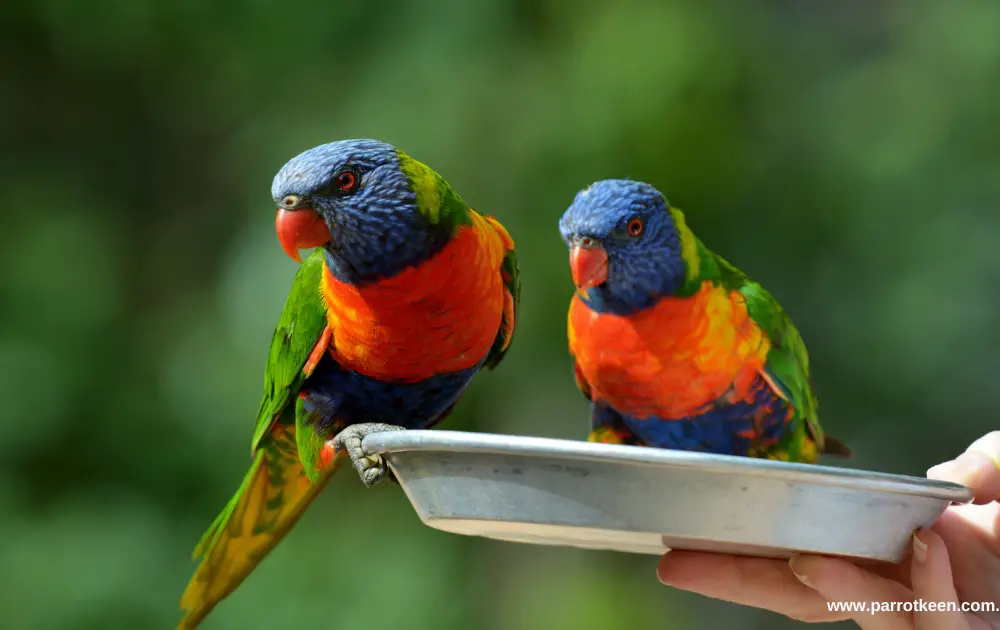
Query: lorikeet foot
x,y
371,468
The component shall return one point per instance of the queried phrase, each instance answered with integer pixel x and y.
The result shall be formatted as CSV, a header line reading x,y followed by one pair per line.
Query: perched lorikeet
x,y
676,348
409,295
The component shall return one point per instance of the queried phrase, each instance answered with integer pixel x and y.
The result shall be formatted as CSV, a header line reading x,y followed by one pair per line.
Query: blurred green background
x,y
844,154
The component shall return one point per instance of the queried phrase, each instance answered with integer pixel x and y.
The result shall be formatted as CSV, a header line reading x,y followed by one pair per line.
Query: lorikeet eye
x,y
347,181
635,227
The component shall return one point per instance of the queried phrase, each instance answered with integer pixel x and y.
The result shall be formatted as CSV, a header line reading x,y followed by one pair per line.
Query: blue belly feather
x,y
727,429
344,397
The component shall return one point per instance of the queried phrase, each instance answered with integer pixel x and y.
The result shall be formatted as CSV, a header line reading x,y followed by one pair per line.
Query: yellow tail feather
x,y
273,496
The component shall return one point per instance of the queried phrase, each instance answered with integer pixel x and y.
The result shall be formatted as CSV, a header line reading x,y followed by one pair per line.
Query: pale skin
x,y
955,560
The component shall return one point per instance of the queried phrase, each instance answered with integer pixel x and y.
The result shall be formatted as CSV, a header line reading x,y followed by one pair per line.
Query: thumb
x,y
978,468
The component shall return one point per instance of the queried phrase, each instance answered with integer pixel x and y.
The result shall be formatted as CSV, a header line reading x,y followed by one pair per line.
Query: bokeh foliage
x,y
845,154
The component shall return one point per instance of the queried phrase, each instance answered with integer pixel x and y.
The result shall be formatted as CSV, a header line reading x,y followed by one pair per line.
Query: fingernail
x,y
919,549
957,469
939,469
965,471
659,572
794,560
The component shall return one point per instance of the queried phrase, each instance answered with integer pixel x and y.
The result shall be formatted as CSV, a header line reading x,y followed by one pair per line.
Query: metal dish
x,y
644,500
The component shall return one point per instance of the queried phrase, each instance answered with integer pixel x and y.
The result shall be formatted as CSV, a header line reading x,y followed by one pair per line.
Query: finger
x,y
977,468
969,533
933,583
839,581
757,582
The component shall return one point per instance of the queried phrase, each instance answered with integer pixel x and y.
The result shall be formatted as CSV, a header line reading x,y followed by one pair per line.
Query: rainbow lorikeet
x,y
676,348
409,294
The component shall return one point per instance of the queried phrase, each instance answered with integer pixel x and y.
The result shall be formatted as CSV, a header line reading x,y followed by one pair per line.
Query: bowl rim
x,y
445,441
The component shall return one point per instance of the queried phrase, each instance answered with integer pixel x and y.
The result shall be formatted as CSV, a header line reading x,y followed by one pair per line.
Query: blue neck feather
x,y
375,248
636,283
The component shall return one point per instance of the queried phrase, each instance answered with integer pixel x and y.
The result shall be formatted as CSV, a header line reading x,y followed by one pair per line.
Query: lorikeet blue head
x,y
372,208
626,248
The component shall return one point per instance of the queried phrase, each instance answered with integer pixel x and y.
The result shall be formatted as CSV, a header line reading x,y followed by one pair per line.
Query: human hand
x,y
956,560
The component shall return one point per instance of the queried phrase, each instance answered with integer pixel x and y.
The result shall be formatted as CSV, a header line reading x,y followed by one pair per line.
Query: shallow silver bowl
x,y
644,500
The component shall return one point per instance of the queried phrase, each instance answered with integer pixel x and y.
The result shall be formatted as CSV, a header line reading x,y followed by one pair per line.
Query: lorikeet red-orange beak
x,y
301,228
589,265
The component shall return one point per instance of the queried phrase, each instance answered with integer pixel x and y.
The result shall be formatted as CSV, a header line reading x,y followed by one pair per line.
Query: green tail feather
x,y
272,497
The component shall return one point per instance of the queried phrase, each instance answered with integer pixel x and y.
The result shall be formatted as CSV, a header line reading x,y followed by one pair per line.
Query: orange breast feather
x,y
673,360
438,317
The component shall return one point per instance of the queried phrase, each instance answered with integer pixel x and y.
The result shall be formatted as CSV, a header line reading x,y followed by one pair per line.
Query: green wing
x,y
787,362
300,328
272,496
